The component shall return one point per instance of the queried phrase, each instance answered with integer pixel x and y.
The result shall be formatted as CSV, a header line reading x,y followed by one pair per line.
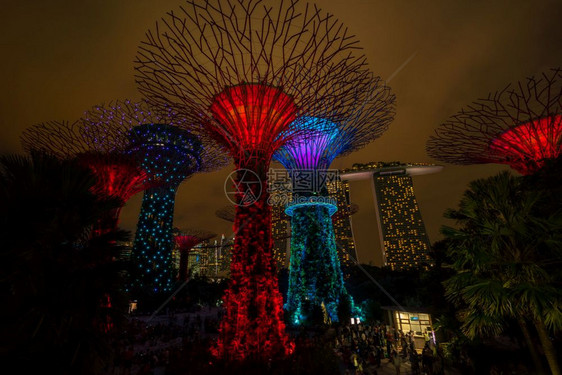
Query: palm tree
x,y
504,254
55,272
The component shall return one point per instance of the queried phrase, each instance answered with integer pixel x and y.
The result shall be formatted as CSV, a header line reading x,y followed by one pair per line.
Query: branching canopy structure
x,y
227,213
339,130
520,125
245,70
165,146
118,175
185,240
315,277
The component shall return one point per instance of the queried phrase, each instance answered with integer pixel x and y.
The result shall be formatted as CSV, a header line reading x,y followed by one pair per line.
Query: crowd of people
x,y
148,345
362,348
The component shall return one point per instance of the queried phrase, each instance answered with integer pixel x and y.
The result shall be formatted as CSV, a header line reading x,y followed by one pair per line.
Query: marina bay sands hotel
x,y
404,240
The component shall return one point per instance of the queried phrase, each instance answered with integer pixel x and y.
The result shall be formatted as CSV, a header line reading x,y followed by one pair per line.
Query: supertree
x,y
185,240
520,126
118,175
227,213
169,152
315,276
245,69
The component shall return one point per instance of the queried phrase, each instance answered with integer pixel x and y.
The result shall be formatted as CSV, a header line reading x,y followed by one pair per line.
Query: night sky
x,y
59,58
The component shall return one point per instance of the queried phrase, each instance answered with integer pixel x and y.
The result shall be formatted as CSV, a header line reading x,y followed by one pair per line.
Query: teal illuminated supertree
x,y
315,276
170,155
169,152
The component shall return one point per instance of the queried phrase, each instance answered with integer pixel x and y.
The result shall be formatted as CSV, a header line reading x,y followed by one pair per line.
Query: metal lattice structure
x,y
166,146
118,175
340,129
185,240
520,125
196,56
245,70
107,127
315,277
227,213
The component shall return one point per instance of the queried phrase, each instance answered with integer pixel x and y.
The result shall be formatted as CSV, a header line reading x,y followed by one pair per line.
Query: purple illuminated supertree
x,y
169,152
245,70
118,175
520,126
315,277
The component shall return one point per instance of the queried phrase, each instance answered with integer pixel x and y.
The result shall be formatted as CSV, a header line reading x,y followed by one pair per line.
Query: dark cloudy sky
x,y
60,57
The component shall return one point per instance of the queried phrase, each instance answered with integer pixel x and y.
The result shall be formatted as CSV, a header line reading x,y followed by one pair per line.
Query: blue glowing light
x,y
312,149
169,155
315,276
327,202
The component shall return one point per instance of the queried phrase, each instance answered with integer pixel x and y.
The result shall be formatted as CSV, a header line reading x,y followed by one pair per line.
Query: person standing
x,y
396,361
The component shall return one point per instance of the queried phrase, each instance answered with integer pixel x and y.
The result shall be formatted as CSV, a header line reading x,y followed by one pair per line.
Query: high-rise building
x,y
341,220
281,228
211,258
404,240
280,231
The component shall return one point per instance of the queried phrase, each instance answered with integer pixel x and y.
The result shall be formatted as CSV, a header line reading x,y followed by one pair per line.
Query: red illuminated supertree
x,y
245,69
185,241
520,126
118,175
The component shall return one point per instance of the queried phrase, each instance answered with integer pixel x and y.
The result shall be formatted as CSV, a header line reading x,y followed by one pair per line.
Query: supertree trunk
x,y
315,276
184,260
154,241
253,325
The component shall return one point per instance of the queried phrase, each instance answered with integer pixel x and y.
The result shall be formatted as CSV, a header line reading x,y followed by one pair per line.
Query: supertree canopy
x,y
520,126
185,240
227,213
164,147
315,276
118,175
245,70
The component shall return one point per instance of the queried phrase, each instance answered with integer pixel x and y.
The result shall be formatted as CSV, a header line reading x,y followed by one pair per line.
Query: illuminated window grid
x,y
404,237
342,225
279,231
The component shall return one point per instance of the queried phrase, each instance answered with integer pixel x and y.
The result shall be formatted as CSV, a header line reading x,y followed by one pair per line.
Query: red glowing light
x,y
185,243
253,121
118,177
120,181
252,116
526,146
253,324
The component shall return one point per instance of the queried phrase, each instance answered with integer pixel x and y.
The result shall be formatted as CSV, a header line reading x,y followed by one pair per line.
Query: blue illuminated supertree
x,y
169,150
170,155
315,277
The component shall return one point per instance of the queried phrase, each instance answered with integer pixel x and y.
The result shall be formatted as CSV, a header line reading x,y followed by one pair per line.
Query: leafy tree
x,y
504,252
55,273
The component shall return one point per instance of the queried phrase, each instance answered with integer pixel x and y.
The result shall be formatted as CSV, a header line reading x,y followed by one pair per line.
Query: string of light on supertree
x,y
169,153
315,276
185,240
520,126
245,70
118,174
